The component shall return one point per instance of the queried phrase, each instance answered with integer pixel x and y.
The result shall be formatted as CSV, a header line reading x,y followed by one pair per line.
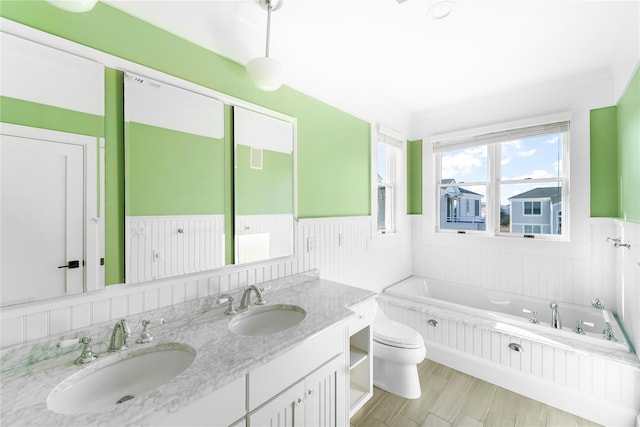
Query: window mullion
x,y
493,192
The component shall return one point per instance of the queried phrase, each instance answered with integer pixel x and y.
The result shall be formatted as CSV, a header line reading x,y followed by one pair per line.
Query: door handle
x,y
72,264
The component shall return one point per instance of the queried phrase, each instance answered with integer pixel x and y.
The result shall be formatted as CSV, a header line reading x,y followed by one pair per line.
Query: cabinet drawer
x,y
275,376
365,312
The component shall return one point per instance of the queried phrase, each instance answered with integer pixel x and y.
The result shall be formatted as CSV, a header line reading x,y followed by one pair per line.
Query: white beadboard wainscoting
x,y
167,246
341,248
587,383
260,236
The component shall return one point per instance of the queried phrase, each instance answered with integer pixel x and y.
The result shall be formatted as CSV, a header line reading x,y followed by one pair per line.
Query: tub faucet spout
x,y
555,316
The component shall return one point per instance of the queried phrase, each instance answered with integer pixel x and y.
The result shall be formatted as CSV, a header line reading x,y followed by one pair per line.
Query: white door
x,y
286,410
41,219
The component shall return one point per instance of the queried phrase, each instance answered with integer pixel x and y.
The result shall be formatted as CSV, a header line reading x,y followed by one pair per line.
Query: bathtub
x,y
488,335
516,309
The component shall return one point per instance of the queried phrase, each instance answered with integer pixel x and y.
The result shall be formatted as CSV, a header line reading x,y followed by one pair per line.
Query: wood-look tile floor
x,y
452,398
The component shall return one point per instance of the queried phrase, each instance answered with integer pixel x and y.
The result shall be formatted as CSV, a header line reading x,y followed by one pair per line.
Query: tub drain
x,y
124,399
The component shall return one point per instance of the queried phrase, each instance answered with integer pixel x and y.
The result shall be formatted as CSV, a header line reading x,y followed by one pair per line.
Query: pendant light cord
x,y
268,27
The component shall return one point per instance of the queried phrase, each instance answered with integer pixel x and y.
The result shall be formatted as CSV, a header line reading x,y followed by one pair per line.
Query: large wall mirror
x,y
51,181
174,181
176,177
263,186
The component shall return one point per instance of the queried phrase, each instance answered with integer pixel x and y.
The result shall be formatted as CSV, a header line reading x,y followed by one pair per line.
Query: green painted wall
x,y
114,176
414,177
604,162
265,191
615,157
172,173
629,151
27,113
333,147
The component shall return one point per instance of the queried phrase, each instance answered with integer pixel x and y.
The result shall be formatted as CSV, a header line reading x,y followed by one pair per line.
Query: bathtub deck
x,y
452,398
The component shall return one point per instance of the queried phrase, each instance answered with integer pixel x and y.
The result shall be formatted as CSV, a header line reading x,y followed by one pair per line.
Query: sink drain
x,y
124,399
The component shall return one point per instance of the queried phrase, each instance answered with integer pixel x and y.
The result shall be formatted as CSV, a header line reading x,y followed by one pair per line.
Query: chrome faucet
x,y
119,336
555,316
245,302
607,333
596,303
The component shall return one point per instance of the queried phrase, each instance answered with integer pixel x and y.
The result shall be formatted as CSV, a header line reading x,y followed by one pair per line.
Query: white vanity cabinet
x,y
316,401
313,377
306,386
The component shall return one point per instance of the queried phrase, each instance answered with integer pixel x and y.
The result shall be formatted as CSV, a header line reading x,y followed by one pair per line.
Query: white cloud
x,y
462,163
553,140
528,153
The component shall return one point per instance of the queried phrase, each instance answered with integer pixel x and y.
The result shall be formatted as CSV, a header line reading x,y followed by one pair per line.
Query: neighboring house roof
x,y
553,193
460,189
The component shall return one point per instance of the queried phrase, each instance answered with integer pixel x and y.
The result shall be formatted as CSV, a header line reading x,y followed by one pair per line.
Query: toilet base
x,y
399,379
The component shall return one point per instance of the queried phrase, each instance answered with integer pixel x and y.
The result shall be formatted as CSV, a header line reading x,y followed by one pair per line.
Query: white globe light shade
x,y
267,73
76,6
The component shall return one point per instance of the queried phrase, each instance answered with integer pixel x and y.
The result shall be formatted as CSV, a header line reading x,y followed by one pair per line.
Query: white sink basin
x,y
105,383
267,319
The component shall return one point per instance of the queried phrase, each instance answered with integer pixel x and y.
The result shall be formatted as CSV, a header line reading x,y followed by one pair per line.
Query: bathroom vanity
x,y
300,374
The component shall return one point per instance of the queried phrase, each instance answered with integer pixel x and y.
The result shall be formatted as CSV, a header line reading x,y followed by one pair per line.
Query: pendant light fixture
x,y
77,6
266,72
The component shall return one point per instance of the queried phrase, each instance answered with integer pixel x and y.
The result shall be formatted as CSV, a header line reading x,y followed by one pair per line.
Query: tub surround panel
x,y
603,383
34,370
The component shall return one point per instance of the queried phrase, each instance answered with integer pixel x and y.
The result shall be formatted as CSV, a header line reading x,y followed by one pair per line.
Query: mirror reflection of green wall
x,y
264,186
168,172
267,189
175,181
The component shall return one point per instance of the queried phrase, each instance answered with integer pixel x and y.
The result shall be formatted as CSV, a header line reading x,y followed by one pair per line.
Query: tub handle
x,y
432,322
516,347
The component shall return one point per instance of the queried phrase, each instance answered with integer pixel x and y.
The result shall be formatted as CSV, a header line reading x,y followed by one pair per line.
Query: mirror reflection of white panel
x,y
261,131
162,105
38,73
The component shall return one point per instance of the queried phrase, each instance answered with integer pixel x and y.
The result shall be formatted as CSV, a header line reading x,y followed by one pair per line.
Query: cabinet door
x,y
325,400
286,410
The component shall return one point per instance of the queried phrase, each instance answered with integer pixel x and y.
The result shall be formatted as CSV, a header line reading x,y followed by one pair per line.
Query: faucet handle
x,y
87,355
145,335
533,314
223,299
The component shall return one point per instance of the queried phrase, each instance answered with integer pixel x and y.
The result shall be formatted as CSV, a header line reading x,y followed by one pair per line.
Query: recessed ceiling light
x,y
441,9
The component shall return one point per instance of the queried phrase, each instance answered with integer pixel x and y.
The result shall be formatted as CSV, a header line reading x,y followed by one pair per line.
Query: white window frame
x,y
395,143
483,136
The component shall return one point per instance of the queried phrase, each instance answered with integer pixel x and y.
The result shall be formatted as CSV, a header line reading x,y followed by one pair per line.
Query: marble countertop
x,y
222,357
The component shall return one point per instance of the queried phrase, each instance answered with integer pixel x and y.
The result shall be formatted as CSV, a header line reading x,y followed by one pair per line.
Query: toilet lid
x,y
396,334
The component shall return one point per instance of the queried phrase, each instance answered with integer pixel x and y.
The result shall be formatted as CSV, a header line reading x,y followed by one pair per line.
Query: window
x,y
388,151
532,208
504,183
532,229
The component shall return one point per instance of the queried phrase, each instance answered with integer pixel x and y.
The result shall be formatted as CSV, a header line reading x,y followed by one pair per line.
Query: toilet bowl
x,y
397,349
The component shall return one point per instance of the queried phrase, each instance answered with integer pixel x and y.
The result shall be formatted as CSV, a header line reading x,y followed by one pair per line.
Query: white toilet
x,y
397,349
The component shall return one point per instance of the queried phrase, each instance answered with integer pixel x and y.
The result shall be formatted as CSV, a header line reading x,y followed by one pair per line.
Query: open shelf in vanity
x,y
360,369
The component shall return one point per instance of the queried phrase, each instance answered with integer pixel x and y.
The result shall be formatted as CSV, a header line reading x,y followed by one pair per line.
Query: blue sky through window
x,y
530,158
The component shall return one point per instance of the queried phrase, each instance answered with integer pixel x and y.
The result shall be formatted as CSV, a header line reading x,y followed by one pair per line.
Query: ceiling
x,y
382,60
